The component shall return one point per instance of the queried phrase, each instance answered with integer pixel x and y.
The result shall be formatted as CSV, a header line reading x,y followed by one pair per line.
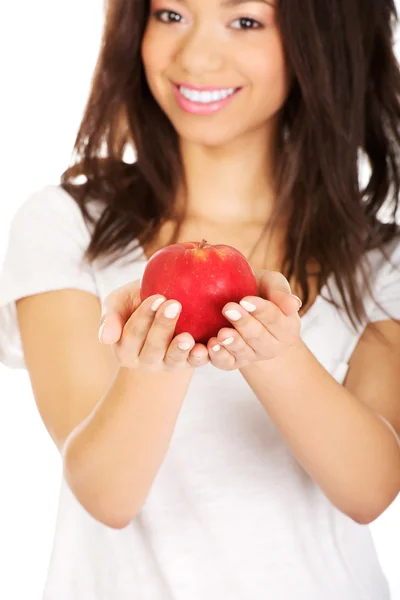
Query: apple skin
x,y
203,278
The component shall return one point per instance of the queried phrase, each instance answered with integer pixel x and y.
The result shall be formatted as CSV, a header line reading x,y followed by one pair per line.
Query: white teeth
x,y
205,97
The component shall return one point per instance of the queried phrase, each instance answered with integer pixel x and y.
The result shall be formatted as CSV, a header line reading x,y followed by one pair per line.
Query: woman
x,y
241,470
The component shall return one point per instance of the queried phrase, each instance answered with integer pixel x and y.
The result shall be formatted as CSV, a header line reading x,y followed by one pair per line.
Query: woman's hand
x,y
261,331
141,334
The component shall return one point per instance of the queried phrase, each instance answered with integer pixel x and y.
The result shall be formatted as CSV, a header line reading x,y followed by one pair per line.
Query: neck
x,y
230,184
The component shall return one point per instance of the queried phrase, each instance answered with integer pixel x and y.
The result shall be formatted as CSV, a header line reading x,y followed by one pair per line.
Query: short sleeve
x,y
387,288
44,252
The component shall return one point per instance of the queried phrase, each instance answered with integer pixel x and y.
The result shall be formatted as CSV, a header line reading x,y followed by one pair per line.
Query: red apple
x,y
203,278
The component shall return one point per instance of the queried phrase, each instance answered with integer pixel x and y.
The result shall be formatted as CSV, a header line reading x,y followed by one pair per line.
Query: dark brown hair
x,y
344,103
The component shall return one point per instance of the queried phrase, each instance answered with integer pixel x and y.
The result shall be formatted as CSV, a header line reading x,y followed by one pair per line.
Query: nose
x,y
199,53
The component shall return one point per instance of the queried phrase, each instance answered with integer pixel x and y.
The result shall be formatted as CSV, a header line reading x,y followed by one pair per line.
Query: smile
x,y
205,97
203,102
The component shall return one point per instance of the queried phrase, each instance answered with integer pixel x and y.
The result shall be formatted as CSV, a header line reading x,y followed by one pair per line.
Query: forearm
x,y
112,458
350,453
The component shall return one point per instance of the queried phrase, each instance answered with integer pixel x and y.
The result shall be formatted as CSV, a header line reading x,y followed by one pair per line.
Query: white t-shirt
x,y
231,514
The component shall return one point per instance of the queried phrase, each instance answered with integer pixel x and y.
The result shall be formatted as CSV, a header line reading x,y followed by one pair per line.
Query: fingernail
x,y
216,348
172,310
298,300
233,315
228,341
248,306
101,332
157,303
184,345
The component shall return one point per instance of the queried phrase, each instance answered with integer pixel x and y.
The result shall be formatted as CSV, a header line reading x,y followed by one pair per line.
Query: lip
x,y
196,108
204,88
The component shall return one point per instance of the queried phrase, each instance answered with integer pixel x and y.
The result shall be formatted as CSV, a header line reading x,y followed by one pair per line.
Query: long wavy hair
x,y
343,106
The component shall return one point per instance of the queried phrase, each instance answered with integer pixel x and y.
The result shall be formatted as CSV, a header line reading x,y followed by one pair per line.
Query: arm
x,y
336,436
111,424
113,457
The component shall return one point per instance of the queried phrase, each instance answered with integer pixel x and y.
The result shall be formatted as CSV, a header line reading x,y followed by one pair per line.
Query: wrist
x,y
283,361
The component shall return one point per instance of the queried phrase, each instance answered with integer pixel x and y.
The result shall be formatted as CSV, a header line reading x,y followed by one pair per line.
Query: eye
x,y
167,16
246,23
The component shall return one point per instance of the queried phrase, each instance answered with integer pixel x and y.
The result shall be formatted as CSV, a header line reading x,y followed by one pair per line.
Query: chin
x,y
211,141
208,135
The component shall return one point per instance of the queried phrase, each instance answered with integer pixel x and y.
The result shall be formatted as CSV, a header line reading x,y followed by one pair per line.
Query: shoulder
x,y
386,260
48,198
385,266
51,215
384,276
48,205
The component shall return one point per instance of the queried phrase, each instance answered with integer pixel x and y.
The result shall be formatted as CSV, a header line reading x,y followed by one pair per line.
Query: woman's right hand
x,y
142,333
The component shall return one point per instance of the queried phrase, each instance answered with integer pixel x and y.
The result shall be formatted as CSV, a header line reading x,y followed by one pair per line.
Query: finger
x,y
230,348
117,307
160,333
136,329
236,345
275,287
219,353
111,329
178,351
198,356
279,327
251,329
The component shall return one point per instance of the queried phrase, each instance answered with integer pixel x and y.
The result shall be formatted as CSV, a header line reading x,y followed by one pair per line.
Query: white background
x,y
48,51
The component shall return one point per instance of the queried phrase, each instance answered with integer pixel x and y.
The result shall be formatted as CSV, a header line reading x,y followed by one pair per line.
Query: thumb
x,y
111,328
117,308
275,287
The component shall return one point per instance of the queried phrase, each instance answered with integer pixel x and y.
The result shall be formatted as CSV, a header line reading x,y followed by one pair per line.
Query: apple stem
x,y
203,243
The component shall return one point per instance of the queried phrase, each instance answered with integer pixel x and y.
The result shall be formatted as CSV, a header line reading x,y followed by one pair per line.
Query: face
x,y
215,67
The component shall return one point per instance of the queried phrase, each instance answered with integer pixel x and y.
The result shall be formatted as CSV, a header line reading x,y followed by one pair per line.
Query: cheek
x,y
147,52
151,63
270,79
156,58
153,53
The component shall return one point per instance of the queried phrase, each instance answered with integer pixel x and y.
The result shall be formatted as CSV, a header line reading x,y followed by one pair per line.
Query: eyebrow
x,y
238,2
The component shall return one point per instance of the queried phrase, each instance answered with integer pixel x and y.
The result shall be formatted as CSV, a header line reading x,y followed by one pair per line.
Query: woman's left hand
x,y
259,334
